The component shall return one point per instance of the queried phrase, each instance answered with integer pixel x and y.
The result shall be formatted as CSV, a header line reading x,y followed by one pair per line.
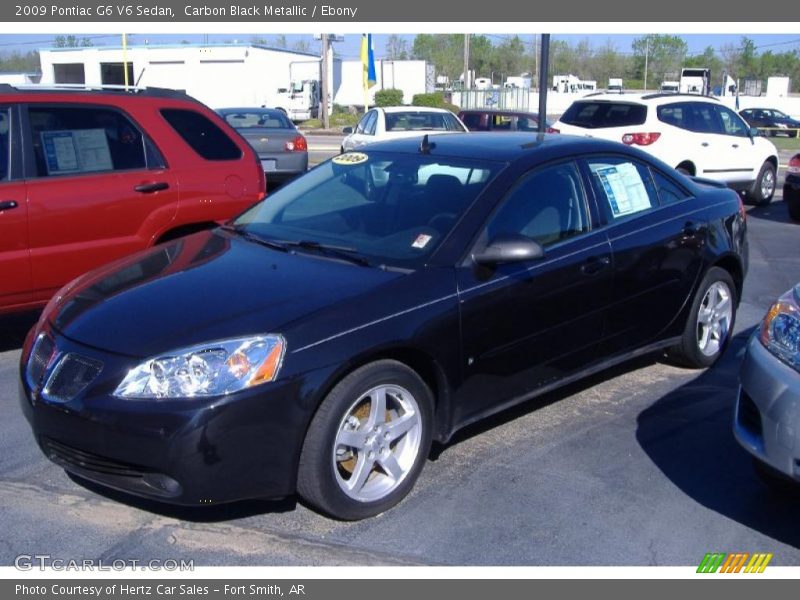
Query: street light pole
x,y
323,101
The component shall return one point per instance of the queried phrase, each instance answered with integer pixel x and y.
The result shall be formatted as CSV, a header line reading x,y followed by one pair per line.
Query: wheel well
x,y
421,363
183,230
688,166
734,267
774,161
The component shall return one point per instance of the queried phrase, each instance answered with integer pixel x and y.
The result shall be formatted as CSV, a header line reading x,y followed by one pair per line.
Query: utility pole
x,y
466,61
545,63
646,53
323,101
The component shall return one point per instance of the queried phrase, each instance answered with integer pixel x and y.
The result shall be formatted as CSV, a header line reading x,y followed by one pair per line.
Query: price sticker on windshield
x,y
350,158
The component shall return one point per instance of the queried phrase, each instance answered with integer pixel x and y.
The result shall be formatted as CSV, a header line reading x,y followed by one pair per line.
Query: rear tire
x,y
711,320
368,442
764,186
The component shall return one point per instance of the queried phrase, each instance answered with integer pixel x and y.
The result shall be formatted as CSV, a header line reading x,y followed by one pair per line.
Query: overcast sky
x,y
349,48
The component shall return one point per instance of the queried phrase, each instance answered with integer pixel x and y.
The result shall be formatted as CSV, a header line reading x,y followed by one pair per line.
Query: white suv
x,y
694,134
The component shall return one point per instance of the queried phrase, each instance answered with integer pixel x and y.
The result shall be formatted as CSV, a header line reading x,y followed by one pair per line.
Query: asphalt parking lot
x,y
636,466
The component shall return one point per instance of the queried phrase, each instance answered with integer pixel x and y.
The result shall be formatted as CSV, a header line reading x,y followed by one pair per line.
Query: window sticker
x,y
76,151
624,189
421,241
350,158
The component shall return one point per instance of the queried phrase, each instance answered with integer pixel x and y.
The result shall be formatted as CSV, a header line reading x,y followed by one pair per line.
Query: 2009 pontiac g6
x,y
318,343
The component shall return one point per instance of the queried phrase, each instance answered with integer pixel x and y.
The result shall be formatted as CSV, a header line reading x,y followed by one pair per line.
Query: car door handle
x,y
8,204
595,264
704,144
735,145
149,188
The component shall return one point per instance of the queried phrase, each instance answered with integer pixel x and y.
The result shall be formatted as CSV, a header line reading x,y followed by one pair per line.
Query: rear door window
x,y
623,187
202,134
604,114
71,140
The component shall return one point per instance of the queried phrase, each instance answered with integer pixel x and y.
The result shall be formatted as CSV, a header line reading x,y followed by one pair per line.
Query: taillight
x,y
552,130
794,165
640,139
298,144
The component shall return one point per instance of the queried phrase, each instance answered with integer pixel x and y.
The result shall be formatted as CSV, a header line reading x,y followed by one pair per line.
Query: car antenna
x,y
425,146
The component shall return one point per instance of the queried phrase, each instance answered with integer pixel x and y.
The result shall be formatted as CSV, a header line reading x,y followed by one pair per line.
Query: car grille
x,y
118,475
749,417
70,377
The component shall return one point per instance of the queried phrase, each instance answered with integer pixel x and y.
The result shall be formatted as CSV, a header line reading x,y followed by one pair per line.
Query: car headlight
x,y
211,369
780,330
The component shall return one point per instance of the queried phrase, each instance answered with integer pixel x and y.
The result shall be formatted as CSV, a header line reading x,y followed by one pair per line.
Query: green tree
x,y
280,42
396,48
664,54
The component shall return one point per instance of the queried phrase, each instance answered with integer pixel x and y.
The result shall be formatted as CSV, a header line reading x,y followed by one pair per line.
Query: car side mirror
x,y
347,130
509,248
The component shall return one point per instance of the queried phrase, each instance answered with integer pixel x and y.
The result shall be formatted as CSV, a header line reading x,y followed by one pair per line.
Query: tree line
x,y
658,57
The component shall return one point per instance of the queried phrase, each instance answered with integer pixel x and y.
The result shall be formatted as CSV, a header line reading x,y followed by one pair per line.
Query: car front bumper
x,y
767,415
188,451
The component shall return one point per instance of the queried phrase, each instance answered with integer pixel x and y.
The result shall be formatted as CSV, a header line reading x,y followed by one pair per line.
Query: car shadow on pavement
x,y
776,211
688,436
197,514
14,328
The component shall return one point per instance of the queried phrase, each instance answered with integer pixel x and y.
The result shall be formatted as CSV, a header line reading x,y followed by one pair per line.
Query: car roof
x,y
419,109
499,146
259,109
646,98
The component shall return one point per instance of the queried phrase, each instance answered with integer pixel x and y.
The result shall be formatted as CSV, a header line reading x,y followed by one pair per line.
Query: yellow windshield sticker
x,y
350,158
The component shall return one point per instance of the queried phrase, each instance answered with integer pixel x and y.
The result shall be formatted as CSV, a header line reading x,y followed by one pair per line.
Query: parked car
x,y
477,119
694,134
387,298
791,187
767,422
395,122
281,148
88,176
771,121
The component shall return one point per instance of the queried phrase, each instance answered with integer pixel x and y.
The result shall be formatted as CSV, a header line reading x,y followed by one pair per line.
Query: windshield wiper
x,y
252,237
344,252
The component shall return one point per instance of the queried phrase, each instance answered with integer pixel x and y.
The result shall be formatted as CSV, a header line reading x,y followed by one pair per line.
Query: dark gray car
x,y
281,148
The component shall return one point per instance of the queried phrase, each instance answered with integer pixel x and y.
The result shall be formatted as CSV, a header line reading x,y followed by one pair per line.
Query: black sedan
x,y
320,342
281,148
771,121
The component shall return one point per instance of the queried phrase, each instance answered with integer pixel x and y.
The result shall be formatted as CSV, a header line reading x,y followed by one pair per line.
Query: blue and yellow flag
x,y
368,60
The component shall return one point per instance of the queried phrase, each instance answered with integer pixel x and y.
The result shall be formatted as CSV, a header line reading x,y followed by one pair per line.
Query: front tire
x,y
710,323
368,442
764,186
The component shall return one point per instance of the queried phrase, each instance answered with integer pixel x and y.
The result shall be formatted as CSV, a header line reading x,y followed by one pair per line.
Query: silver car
x,y
767,416
281,148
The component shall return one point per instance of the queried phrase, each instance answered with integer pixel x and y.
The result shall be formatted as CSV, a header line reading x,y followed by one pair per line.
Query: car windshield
x,y
257,120
390,209
415,121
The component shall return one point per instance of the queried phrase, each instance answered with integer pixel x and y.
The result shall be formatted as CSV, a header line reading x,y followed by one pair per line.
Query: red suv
x,y
88,176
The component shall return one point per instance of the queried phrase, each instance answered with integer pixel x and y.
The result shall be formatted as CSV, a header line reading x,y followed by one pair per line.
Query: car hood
x,y
208,286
